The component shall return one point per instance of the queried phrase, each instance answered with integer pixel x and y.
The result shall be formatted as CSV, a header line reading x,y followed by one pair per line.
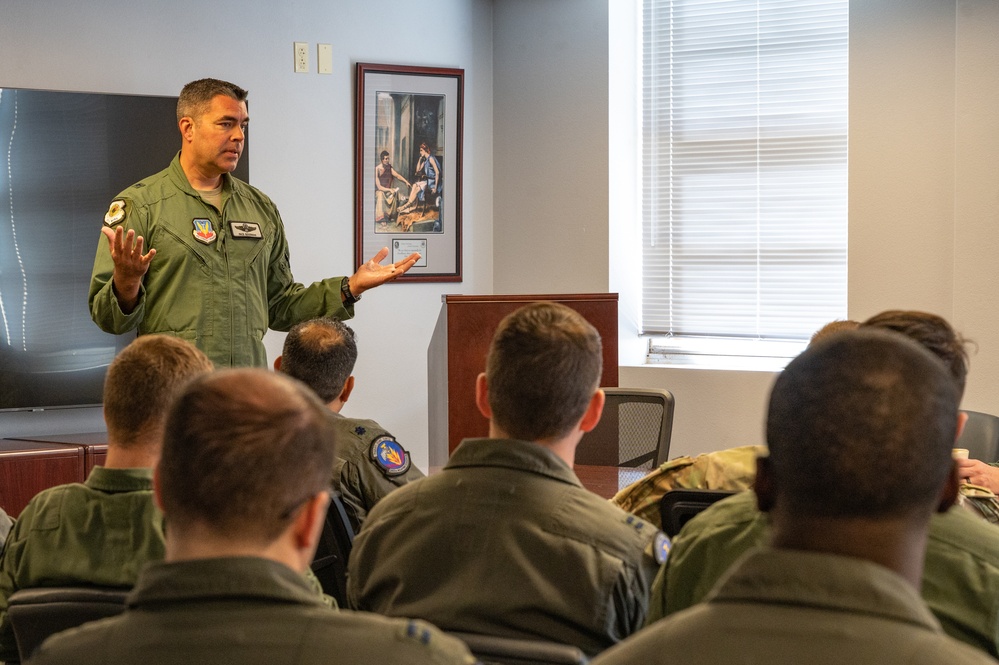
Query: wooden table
x,y
607,480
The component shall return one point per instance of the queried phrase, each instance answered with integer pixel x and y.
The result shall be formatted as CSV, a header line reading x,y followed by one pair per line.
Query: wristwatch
x,y
348,297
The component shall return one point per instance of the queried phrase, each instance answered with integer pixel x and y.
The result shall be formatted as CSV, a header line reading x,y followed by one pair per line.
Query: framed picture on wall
x,y
408,167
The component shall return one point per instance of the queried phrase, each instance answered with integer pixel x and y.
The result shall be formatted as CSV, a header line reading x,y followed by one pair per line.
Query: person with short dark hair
x,y
505,540
370,461
217,271
961,573
102,532
243,486
860,430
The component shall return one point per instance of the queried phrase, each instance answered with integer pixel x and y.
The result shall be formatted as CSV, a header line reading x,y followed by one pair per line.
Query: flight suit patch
x,y
115,213
661,547
245,230
359,431
390,457
203,231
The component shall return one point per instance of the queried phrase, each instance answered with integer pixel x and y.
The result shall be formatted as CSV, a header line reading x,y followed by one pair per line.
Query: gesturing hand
x,y
373,273
130,265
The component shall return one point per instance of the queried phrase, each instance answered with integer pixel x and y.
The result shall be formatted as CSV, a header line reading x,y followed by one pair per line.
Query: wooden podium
x,y
457,354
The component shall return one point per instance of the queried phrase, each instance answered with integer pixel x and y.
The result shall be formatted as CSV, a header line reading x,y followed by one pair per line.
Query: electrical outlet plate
x,y
325,58
301,57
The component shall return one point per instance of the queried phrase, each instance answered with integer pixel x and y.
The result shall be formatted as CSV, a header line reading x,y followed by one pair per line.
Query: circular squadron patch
x,y
661,547
115,213
390,457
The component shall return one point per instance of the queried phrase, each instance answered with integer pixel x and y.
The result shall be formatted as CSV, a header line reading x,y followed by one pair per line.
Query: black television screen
x,y
63,158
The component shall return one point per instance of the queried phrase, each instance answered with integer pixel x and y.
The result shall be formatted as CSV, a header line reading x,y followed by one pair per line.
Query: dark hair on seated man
x,y
321,354
242,452
543,367
844,409
932,332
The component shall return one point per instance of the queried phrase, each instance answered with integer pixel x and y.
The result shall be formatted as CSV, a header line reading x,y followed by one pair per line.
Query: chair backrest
x,y
37,613
335,542
678,506
981,436
489,650
634,430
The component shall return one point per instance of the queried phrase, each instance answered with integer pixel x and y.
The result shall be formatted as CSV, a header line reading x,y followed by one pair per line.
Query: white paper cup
x,y
960,453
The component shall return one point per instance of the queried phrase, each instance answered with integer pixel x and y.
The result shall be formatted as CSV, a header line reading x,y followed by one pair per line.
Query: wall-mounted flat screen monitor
x,y
63,158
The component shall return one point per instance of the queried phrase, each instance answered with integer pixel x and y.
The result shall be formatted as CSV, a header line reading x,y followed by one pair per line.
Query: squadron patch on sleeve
x,y
115,213
390,457
661,547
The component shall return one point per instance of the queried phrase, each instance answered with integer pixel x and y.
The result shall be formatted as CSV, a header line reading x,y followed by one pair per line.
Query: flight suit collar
x,y
224,578
512,454
820,580
120,480
179,178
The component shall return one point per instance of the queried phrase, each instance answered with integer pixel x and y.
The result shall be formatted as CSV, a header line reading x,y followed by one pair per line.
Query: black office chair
x,y
40,612
981,436
678,506
335,542
492,650
634,430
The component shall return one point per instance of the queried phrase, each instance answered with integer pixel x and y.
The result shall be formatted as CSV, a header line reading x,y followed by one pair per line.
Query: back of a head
x,y
243,450
862,425
196,97
321,354
143,380
930,331
544,365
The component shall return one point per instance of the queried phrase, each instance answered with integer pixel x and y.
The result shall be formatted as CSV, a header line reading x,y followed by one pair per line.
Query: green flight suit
x,y
788,607
219,279
244,610
5,524
506,541
100,532
960,576
357,474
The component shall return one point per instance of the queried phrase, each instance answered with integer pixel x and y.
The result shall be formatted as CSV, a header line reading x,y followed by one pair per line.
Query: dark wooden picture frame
x,y
408,167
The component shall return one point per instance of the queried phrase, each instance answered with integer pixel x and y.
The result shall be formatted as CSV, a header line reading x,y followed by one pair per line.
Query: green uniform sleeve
x,y
104,307
289,302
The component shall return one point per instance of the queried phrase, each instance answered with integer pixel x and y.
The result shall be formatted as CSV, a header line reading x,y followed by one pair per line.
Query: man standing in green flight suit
x,y
217,271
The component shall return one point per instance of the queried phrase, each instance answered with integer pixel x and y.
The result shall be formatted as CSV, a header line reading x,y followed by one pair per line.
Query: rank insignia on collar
x,y
203,231
245,230
391,458
115,213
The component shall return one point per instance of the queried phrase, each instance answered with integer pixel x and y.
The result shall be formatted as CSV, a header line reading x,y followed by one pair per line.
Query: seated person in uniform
x,y
5,524
370,462
243,487
732,469
860,430
103,531
961,574
505,540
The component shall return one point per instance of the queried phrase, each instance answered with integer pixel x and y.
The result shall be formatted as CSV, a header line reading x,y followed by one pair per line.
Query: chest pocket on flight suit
x,y
180,284
249,261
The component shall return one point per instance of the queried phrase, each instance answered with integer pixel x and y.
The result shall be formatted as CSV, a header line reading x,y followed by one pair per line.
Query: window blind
x,y
744,175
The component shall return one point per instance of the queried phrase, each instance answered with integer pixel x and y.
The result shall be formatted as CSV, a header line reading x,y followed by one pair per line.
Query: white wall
x,y
924,155
301,134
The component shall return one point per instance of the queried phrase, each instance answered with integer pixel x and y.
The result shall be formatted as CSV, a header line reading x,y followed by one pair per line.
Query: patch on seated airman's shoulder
x,y
115,213
359,431
390,457
661,547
